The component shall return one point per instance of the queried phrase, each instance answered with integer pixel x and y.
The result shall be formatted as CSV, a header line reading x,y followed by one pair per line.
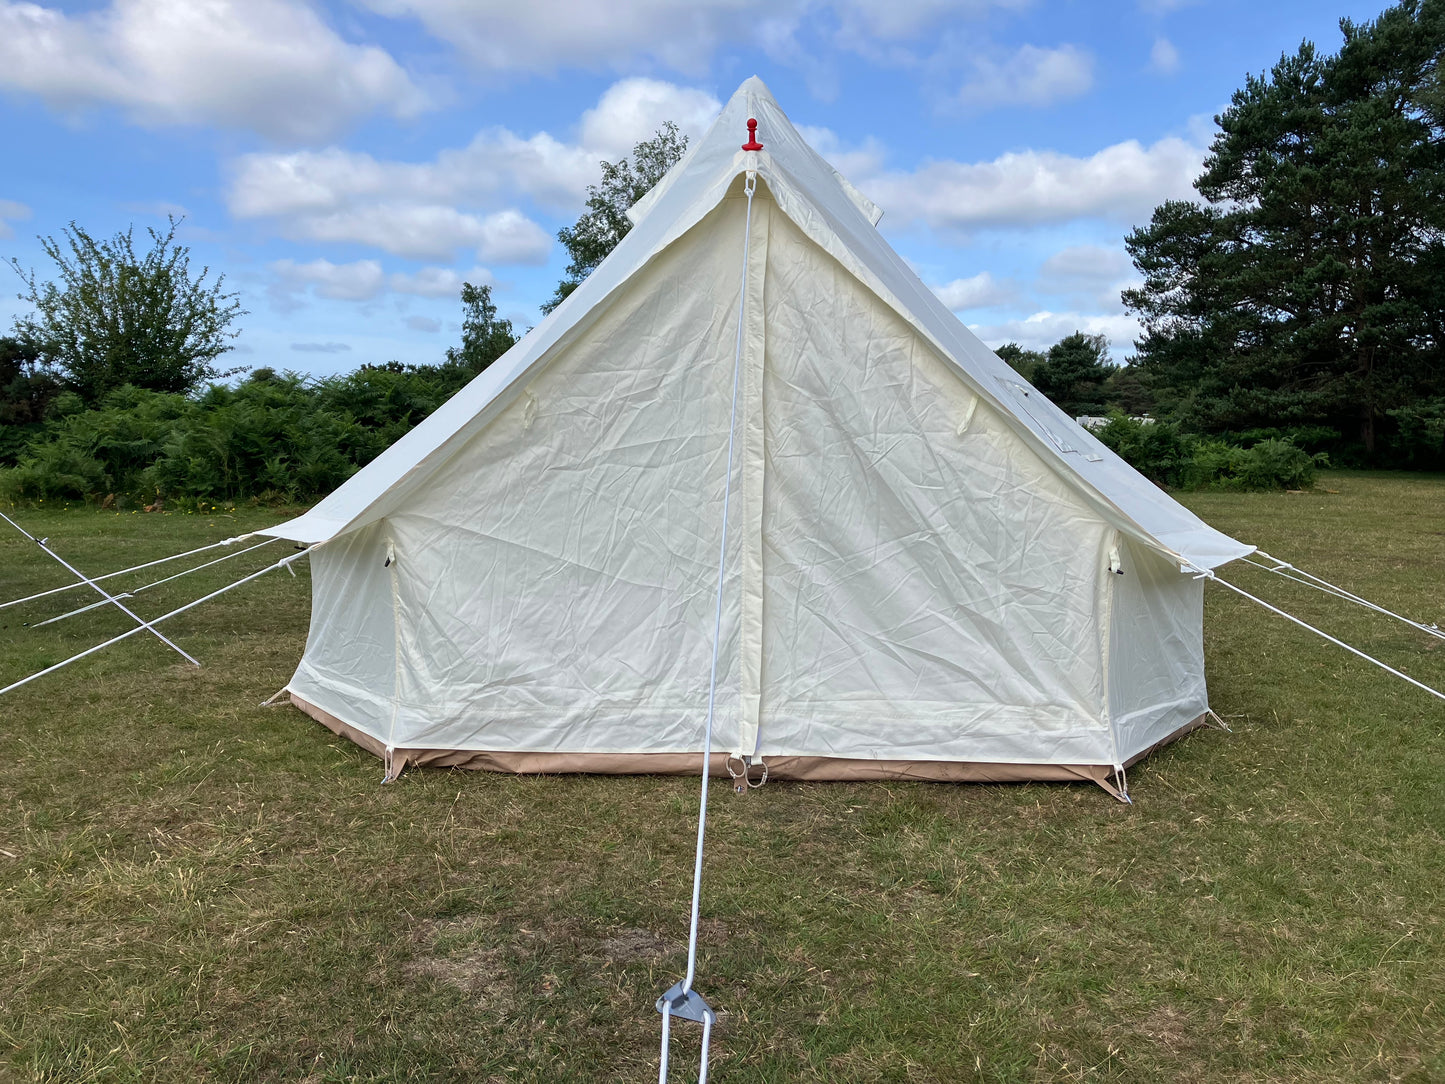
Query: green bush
x,y
51,471
1310,438
1155,449
1419,440
1275,464
274,436
1161,453
283,437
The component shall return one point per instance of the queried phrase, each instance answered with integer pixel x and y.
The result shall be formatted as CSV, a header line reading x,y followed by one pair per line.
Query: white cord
x,y
749,185
101,591
156,583
122,572
208,564
285,562
1284,568
1207,574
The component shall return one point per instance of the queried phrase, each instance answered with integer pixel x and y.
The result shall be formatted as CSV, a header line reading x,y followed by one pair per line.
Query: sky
x,y
347,164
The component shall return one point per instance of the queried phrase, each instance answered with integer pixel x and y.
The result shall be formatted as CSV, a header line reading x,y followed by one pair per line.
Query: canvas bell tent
x,y
928,570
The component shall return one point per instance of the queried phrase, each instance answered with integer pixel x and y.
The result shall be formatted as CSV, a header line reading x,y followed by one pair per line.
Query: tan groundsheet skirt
x,y
806,768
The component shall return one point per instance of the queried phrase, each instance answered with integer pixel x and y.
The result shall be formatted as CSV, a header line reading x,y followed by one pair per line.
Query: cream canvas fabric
x,y
926,561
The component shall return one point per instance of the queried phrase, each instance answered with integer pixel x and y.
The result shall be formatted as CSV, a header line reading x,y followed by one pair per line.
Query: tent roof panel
x,y
842,221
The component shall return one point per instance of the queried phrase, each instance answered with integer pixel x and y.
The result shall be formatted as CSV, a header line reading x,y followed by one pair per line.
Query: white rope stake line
x,y
283,563
749,186
101,591
1208,575
156,583
1284,568
75,612
122,572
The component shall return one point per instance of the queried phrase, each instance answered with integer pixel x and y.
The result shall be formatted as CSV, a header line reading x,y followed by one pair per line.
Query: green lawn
x,y
193,887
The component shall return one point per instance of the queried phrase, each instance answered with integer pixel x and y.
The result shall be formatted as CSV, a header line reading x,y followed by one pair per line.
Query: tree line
x,y
111,387
1304,291
1296,307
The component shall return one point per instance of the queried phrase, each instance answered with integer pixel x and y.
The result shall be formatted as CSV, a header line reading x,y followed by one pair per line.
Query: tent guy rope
x,y
285,562
154,583
1309,579
1207,574
122,572
140,621
681,1000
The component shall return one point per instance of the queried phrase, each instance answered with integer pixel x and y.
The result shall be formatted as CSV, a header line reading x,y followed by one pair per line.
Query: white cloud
x,y
364,280
439,281
430,209
13,211
545,35
906,18
321,348
853,162
359,281
631,110
1087,275
1041,330
1089,265
1031,76
979,291
1124,182
429,231
268,65
1164,58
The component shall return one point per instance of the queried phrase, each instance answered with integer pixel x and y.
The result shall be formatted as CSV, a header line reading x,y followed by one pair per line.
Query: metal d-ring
x,y
743,778
764,778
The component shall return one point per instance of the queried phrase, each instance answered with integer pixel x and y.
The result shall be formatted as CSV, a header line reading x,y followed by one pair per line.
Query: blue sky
x,y
347,165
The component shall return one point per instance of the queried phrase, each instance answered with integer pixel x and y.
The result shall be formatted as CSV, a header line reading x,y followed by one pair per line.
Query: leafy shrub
x,y
1156,449
1276,464
1419,440
49,471
1310,438
274,436
1161,453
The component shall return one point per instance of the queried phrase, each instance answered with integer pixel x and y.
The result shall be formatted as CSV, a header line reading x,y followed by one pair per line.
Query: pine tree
x,y
1307,288
1073,372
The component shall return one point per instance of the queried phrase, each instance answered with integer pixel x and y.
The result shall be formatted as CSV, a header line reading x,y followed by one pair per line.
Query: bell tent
x,y
927,570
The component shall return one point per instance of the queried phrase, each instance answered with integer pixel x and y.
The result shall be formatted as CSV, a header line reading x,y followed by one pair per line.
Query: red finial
x,y
752,144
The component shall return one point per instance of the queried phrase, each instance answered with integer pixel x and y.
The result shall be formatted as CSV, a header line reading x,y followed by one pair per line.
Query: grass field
x,y
195,888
